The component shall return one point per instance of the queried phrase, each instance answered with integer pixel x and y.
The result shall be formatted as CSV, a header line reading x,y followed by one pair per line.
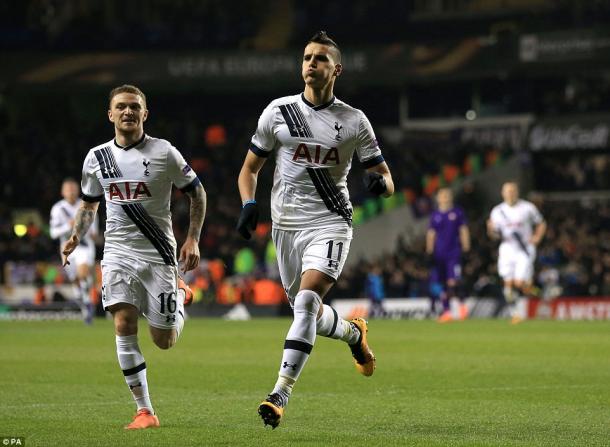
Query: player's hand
x,y
189,255
248,219
375,183
68,248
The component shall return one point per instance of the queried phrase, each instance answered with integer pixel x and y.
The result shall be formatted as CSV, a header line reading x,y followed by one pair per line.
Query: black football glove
x,y
247,219
375,183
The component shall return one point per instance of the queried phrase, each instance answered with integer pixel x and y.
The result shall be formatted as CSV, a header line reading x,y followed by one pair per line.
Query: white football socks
x,y
331,325
133,365
299,341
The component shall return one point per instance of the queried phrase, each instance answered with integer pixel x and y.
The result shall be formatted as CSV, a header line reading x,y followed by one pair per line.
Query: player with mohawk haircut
x,y
315,136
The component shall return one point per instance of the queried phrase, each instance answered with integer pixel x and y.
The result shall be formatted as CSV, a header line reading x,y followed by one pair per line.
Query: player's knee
x,y
307,301
125,326
164,340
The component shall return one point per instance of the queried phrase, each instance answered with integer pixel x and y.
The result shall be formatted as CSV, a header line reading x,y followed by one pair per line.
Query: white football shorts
x,y
82,254
324,249
516,265
152,288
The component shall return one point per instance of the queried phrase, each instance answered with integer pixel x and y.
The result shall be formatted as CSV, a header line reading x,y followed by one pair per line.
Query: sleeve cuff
x,y
258,151
373,162
91,199
196,182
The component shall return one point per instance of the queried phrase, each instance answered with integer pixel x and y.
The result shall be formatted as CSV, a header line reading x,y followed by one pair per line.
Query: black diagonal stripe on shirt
x,y
66,212
293,126
330,194
150,229
345,211
297,120
109,167
156,231
102,162
341,206
113,162
301,119
324,191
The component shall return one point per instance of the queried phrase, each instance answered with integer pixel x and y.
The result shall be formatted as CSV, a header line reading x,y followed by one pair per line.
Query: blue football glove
x,y
375,183
248,219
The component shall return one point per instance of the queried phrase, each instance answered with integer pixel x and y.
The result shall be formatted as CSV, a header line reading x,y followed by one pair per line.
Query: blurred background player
x,y
447,240
520,227
315,136
135,173
374,290
82,260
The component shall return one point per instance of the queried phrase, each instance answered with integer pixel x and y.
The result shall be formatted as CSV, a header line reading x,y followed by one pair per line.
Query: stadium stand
x,y
46,132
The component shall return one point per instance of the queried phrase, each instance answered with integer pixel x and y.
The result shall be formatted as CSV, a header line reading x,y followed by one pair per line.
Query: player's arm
x,y
378,180
189,252
82,221
59,227
539,232
430,240
248,176
246,182
465,238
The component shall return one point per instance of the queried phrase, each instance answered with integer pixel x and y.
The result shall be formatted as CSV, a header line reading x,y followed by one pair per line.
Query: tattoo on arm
x,y
198,206
82,221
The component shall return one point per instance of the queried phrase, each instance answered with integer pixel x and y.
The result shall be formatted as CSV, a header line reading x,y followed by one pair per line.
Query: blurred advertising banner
x,y
391,64
573,308
395,308
564,46
570,133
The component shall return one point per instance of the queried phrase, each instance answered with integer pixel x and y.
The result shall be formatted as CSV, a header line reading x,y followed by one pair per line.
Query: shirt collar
x,y
317,107
126,148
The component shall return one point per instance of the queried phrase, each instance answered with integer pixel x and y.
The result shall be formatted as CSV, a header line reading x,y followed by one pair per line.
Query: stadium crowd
x,y
572,260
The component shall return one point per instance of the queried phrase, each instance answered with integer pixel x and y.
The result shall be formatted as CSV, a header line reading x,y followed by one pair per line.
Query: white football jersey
x,y
136,182
62,219
315,146
516,223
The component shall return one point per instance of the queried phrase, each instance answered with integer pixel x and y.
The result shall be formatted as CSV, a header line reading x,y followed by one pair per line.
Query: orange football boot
x,y
364,358
143,419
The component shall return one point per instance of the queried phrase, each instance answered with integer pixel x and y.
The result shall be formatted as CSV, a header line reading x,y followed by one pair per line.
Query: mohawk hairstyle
x,y
322,38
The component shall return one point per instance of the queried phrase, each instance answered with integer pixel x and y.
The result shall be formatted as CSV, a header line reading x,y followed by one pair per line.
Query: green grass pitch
x,y
476,383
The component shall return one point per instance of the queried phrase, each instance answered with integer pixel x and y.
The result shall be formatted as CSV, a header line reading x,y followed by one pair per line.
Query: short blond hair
x,y
126,88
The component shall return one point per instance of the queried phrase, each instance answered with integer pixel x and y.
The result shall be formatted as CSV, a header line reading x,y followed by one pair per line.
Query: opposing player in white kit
x,y
80,269
134,173
315,136
521,227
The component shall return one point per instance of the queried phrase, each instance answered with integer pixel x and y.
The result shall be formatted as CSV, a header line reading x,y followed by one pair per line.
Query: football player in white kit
x,y
315,136
80,269
521,227
134,173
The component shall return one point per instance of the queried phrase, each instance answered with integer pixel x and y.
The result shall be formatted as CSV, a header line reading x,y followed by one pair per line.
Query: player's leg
x,y
506,270
524,271
435,289
454,289
165,307
289,249
298,344
120,297
324,259
441,268
85,282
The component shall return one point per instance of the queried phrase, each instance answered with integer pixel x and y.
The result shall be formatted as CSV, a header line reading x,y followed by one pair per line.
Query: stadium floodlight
x,y
20,230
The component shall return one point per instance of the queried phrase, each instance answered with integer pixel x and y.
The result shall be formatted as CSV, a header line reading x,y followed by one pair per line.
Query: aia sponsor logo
x,y
128,192
317,154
